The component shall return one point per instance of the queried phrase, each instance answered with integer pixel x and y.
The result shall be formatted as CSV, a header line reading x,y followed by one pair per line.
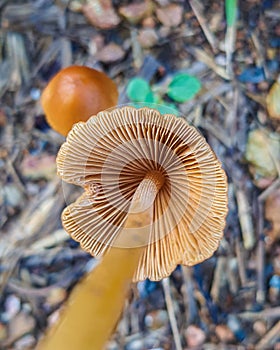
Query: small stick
x,y
268,191
171,313
245,219
260,295
189,295
240,262
269,338
201,19
273,312
231,15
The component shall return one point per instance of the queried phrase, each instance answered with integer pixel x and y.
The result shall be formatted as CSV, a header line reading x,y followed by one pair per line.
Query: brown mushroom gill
x,y
155,197
111,154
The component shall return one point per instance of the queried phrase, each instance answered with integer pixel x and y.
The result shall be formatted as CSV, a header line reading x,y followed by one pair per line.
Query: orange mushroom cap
x,y
111,154
74,94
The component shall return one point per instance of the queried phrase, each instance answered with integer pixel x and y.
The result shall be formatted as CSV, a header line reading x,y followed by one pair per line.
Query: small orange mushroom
x,y
155,197
74,94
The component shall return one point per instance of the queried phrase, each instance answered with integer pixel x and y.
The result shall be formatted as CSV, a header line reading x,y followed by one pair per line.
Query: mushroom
x,y
155,197
74,94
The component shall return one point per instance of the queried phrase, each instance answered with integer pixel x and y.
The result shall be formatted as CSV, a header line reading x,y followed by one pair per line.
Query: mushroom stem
x,y
96,303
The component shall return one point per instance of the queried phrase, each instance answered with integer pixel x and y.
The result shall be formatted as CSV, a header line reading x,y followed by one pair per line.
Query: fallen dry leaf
x,y
273,101
263,154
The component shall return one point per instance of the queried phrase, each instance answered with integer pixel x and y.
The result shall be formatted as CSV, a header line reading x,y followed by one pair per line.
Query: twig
x,y
260,53
171,313
201,19
240,261
219,278
260,295
189,295
245,218
268,191
204,57
269,338
231,14
267,313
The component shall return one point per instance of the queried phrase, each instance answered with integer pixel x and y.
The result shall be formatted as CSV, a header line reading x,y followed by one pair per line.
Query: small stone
x,y
224,333
171,15
156,319
148,22
20,325
135,12
260,327
12,307
96,44
195,336
11,195
26,342
101,14
136,344
110,53
147,38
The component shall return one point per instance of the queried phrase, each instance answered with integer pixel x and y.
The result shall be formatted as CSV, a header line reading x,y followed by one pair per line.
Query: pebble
x,y
156,319
12,307
110,53
101,14
148,22
260,327
135,12
11,195
224,333
195,336
170,15
147,37
26,342
20,325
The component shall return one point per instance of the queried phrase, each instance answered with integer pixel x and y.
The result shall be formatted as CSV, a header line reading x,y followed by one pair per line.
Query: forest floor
x,y
230,301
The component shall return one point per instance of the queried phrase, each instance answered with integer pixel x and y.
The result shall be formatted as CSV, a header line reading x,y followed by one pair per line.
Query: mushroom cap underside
x,y
111,154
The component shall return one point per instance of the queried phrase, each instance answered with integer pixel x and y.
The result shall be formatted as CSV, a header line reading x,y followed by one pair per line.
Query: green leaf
x,y
138,89
183,87
231,12
150,97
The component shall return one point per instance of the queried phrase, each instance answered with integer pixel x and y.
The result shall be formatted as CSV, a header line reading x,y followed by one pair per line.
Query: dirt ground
x,y
230,301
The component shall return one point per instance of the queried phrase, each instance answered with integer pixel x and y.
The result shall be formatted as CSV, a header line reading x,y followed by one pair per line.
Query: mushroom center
x,y
147,191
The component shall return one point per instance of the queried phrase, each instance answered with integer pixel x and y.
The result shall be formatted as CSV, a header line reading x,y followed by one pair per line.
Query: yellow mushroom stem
x,y
96,303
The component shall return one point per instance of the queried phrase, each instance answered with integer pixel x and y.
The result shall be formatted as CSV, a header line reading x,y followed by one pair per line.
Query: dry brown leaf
x,y
273,101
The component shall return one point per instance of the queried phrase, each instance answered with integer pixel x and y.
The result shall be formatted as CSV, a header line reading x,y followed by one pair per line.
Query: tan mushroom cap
x,y
111,154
